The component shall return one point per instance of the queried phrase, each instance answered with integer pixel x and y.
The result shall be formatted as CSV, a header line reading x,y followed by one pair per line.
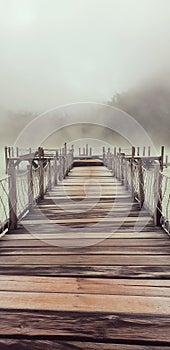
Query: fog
x,y
56,52
61,51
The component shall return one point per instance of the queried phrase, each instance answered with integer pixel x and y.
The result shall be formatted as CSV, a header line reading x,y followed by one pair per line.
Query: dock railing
x,y
143,177
29,177
140,173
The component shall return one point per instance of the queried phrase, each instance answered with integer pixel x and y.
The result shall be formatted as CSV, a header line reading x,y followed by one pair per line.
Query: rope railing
x,y
27,182
143,178
4,212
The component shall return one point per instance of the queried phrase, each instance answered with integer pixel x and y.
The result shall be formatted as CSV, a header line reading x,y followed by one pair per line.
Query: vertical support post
x,y
125,178
55,169
90,151
104,154
141,183
144,151
65,148
121,169
138,151
162,158
157,194
41,179
79,151
166,162
6,160
30,187
87,150
12,197
132,171
17,154
12,151
49,175
149,151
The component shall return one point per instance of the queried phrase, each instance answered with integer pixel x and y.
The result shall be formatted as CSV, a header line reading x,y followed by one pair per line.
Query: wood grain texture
x,y
14,344
111,293
86,326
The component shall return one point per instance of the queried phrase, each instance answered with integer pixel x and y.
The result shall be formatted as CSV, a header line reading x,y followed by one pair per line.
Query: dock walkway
x,y
86,269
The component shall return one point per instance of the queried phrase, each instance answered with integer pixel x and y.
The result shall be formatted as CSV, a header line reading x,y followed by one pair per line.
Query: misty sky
x,y
60,51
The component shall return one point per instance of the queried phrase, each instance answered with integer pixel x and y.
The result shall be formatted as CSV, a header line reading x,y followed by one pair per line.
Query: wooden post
x,y
121,169
60,168
6,160
41,178
17,154
132,172
149,151
166,162
30,187
125,178
55,170
162,158
157,195
12,151
87,150
65,148
12,197
141,183
90,151
114,151
49,176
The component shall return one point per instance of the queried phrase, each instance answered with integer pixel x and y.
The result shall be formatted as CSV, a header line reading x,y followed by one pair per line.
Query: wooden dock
x,y
74,276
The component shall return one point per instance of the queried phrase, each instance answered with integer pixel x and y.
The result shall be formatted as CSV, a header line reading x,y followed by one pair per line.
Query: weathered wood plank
x,y
136,287
86,259
109,242
20,344
85,302
129,272
87,326
90,250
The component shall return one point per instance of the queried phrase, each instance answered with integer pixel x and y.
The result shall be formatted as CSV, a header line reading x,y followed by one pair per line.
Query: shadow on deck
x,y
86,272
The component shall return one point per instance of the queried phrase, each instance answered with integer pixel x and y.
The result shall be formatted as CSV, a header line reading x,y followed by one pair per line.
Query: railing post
x,y
12,197
149,151
30,187
162,158
6,160
157,195
49,176
141,183
125,177
132,171
41,178
55,169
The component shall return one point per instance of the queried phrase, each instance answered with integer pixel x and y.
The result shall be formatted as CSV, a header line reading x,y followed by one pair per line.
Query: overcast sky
x,y
60,51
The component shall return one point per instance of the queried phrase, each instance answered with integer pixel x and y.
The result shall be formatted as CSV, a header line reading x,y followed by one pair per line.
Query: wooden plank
x,y
22,344
102,271
86,220
154,288
85,302
86,326
62,249
86,259
109,242
125,234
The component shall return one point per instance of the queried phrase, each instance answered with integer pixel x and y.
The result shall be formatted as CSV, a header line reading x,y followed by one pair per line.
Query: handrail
x,y
144,179
24,187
